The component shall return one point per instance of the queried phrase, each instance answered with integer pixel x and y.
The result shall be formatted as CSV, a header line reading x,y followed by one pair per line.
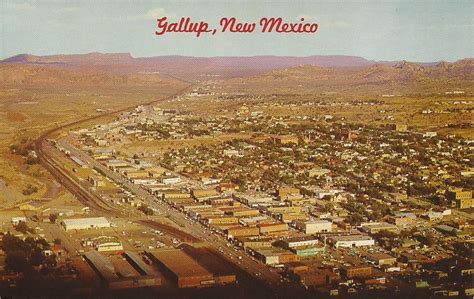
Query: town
x,y
308,201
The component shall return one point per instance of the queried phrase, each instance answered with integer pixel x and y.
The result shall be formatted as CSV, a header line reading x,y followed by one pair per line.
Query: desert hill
x,y
184,66
403,77
41,75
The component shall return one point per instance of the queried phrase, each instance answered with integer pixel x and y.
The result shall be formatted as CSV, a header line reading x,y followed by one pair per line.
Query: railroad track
x,y
83,195
59,173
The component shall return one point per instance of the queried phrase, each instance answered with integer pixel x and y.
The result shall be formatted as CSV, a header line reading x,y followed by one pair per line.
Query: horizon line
x,y
233,56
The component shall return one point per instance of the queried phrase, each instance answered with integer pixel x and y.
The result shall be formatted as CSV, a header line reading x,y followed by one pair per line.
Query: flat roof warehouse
x,y
85,223
185,271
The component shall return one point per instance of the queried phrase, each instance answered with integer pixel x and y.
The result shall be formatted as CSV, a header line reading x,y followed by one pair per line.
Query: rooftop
x,y
179,263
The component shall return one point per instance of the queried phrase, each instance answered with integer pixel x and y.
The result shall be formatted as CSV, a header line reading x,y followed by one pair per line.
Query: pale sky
x,y
380,30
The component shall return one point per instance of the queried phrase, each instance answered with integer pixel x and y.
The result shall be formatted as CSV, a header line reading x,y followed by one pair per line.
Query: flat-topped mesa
x,y
93,58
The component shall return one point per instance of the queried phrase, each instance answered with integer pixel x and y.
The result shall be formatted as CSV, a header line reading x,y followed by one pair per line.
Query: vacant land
x,y
29,108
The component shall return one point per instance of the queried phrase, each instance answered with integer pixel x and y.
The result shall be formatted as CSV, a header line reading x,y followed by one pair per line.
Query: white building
x,y
351,241
170,180
17,220
105,243
300,242
85,223
316,226
253,198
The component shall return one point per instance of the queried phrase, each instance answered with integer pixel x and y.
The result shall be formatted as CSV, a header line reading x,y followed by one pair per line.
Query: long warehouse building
x,y
108,273
85,223
183,270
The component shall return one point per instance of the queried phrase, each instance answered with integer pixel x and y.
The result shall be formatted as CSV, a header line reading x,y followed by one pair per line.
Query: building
x,y
274,256
307,251
102,265
315,226
17,220
375,227
285,192
85,223
318,171
381,259
138,263
105,243
95,181
285,139
200,194
114,164
79,162
400,221
299,242
186,207
357,271
243,212
223,275
315,277
137,174
181,268
227,187
170,180
221,220
399,127
350,241
284,209
254,243
253,198
461,198
174,196
415,260
241,231
268,228
108,274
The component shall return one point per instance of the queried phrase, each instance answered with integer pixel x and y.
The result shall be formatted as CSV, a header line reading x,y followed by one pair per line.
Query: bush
x,y
30,189
147,210
22,227
53,218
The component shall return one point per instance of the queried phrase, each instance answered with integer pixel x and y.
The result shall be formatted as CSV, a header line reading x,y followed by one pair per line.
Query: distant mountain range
x,y
194,67
265,73
399,78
